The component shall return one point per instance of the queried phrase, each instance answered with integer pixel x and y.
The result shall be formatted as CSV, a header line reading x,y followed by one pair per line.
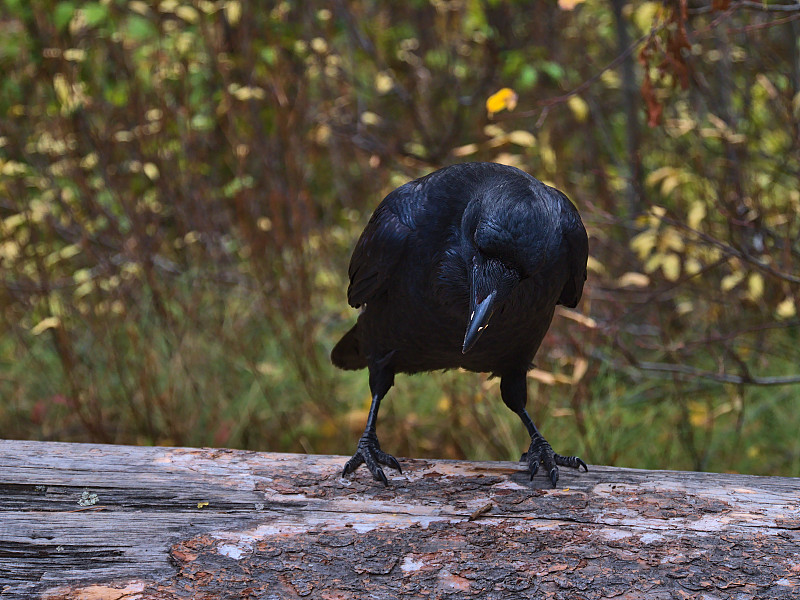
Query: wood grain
x,y
92,522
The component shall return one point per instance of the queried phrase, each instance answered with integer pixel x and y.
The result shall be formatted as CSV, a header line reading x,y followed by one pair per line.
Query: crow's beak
x,y
478,321
492,282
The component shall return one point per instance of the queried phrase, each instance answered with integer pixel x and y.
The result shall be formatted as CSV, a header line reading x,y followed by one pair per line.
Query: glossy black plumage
x,y
462,268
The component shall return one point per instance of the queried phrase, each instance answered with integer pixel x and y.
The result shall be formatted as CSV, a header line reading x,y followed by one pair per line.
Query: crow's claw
x,y
541,453
369,452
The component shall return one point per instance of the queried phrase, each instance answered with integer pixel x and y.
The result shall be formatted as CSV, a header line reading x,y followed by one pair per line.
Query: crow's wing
x,y
383,243
577,249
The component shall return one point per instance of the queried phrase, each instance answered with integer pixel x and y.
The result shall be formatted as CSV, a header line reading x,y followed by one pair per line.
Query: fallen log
x,y
92,522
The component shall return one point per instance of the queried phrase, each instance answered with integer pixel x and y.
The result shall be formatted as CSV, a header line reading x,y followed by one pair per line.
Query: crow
x,y
462,268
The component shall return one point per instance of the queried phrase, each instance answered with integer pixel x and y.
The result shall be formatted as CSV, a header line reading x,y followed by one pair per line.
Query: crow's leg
x,y
514,389
369,452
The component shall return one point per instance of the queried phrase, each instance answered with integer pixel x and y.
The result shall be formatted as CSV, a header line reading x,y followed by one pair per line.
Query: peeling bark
x,y
175,523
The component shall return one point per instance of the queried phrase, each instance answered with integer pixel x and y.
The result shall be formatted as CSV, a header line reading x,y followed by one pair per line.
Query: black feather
x,y
437,247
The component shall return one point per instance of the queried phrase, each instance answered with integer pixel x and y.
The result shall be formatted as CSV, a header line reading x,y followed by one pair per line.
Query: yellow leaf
x,y
319,45
506,158
579,108
370,118
187,13
786,309
45,324
151,170
671,267
233,11
202,504
594,265
669,183
671,240
643,243
698,414
655,176
755,285
645,14
521,137
465,150
631,279
9,250
731,281
383,82
653,263
696,214
692,266
505,98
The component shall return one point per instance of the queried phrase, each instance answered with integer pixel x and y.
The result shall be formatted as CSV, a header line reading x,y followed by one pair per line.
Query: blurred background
x,y
182,183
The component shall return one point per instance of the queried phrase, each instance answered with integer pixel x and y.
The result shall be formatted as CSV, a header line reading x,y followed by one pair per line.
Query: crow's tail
x,y
347,353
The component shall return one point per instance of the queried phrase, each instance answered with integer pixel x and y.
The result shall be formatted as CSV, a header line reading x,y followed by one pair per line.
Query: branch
x,y
750,5
730,250
746,379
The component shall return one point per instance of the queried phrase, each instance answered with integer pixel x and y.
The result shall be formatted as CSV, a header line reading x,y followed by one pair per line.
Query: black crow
x,y
462,268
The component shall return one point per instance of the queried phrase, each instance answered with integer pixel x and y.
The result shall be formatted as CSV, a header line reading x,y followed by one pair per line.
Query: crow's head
x,y
508,232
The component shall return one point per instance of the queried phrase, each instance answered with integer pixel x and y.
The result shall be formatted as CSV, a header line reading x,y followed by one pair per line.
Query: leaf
x,y
786,309
654,107
94,13
187,13
554,70
579,108
671,267
671,240
504,99
569,4
692,266
140,28
62,14
383,82
594,265
659,174
520,137
151,170
631,279
645,15
233,11
643,243
669,183
731,281
755,286
45,324
465,150
696,214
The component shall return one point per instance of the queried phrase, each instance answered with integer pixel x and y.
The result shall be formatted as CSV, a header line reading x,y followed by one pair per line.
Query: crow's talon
x,y
570,461
554,476
541,454
369,452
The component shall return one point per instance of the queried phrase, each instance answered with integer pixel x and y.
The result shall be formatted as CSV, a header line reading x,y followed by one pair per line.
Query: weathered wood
x,y
170,523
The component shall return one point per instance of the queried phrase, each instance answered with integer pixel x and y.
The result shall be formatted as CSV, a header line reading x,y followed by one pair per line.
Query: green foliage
x,y
181,184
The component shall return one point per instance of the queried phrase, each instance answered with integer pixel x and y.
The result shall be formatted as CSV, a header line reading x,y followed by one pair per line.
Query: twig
x,y
481,511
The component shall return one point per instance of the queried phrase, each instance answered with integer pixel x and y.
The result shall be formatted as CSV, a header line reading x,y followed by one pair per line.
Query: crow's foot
x,y
541,453
369,452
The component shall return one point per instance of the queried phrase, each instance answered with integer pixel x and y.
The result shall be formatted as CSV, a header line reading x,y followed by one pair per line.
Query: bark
x,y
100,522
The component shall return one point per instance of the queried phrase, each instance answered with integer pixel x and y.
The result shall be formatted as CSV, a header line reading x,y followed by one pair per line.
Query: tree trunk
x,y
101,522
